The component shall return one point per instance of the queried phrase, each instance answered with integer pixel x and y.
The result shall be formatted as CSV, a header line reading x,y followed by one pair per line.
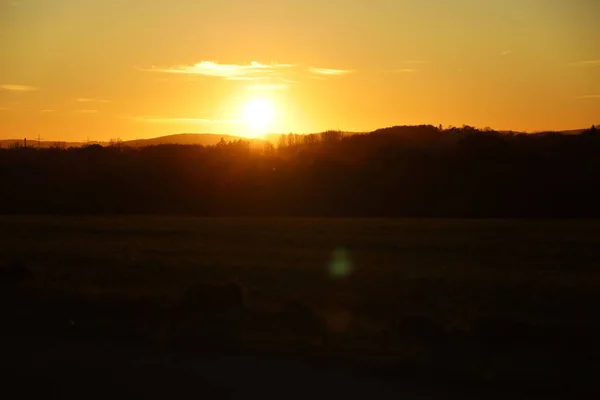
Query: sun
x,y
258,114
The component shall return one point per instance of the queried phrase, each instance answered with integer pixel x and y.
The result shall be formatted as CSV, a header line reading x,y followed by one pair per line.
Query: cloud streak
x,y
405,70
589,96
414,62
253,70
17,88
89,100
270,87
329,71
182,120
586,63
270,76
87,111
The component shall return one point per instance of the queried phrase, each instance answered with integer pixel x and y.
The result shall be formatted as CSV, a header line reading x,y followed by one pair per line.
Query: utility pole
x,y
39,140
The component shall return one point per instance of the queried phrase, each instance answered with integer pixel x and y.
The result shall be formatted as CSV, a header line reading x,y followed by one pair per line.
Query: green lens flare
x,y
340,265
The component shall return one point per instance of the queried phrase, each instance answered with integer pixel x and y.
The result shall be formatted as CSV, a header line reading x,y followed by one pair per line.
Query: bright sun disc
x,y
258,114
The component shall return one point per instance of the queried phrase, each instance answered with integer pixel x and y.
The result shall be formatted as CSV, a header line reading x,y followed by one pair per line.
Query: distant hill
x,y
204,139
565,132
6,143
568,132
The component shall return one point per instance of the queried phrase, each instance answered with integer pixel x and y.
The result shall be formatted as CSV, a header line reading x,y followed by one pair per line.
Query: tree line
x,y
401,171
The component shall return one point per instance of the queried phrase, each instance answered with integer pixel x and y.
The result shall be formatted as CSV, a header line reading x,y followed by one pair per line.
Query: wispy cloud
x,y
589,96
414,62
90,100
329,71
586,63
410,66
405,70
87,111
17,88
47,111
270,76
253,70
505,53
269,87
182,120
250,78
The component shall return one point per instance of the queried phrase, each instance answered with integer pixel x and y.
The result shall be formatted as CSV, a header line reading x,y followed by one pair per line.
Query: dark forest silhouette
x,y
403,171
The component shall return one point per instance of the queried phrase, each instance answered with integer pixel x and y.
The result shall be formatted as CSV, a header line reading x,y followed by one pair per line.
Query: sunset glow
x,y
258,114
158,67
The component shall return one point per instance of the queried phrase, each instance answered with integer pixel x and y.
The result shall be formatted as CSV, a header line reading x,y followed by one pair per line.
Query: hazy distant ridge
x,y
203,139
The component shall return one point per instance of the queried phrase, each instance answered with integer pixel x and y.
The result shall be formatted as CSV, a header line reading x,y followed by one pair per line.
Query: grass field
x,y
498,302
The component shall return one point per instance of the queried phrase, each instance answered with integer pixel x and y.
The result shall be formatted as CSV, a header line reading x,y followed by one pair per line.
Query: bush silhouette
x,y
403,171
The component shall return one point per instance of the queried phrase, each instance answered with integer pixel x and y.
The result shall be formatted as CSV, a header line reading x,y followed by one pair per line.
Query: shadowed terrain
x,y
427,307
403,171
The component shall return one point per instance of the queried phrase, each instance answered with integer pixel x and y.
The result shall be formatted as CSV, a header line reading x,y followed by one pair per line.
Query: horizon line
x,y
34,139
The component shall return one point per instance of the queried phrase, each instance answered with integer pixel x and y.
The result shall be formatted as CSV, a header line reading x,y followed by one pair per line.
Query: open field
x,y
503,304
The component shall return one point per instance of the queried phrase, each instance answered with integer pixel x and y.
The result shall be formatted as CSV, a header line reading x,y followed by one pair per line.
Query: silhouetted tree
x,y
115,143
406,171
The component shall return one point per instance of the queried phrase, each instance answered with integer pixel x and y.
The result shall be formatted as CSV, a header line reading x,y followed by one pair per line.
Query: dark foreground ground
x,y
415,309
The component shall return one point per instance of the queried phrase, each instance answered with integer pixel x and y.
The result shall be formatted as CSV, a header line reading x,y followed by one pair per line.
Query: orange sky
x,y
100,69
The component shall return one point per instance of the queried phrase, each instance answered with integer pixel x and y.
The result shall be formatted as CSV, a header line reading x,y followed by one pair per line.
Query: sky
x,y
76,70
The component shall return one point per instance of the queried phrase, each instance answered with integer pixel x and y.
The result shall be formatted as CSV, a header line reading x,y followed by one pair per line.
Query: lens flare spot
x,y
340,265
